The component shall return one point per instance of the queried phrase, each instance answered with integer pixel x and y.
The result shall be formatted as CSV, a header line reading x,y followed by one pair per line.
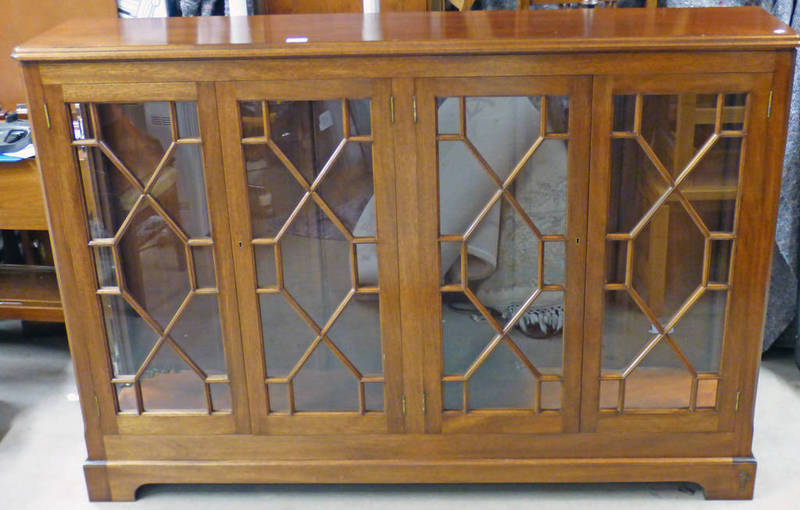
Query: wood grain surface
x,y
417,33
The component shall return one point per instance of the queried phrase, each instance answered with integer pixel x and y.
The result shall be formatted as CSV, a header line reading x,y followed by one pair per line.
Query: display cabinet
x,y
415,247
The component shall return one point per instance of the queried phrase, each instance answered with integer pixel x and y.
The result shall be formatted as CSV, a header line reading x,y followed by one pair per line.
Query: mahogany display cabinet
x,y
415,247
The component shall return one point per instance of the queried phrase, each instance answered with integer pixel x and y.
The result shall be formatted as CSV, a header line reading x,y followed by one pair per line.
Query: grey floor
x,y
41,451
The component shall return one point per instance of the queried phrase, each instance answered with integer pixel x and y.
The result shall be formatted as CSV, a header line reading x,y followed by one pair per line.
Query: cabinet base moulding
x,y
720,477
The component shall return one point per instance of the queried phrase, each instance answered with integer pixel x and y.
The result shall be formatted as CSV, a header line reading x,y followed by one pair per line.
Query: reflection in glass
x,y
130,338
503,260
168,383
141,168
220,397
320,339
671,226
204,266
104,265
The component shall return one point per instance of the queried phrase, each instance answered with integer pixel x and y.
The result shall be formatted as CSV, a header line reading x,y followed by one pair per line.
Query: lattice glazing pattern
x,y
142,173
671,235
490,145
313,221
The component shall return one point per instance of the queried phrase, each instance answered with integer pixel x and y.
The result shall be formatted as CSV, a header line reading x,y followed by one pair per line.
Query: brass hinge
x,y
403,404
97,405
391,107
769,105
414,107
738,394
424,402
47,116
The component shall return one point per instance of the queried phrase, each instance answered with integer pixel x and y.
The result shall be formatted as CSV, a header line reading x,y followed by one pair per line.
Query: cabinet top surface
x,y
411,33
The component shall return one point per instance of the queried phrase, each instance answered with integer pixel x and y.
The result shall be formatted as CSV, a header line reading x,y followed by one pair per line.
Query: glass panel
x,y
220,397
699,332
616,253
448,118
465,332
360,118
286,334
81,121
109,195
624,109
551,395
720,263
357,333
609,394
168,383
554,257
137,133
660,382
315,272
672,245
126,397
153,261
453,395
636,185
733,111
458,165
188,125
307,132
204,266
557,115
130,338
148,192
707,393
502,381
659,125
273,192
668,261
180,190
711,187
104,264
347,188
278,398
265,265
325,384
316,264
367,258
504,255
373,394
252,119
502,129
198,333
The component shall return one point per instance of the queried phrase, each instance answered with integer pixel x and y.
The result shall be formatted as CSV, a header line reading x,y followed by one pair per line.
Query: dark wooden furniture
x,y
219,192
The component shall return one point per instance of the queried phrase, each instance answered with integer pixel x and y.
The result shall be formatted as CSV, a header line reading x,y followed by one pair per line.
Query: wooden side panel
x,y
762,196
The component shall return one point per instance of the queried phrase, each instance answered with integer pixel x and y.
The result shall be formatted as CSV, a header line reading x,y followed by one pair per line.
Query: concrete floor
x,y
41,451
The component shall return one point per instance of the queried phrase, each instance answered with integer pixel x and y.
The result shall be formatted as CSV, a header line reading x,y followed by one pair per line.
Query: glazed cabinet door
x,y
144,220
311,193
673,301
502,186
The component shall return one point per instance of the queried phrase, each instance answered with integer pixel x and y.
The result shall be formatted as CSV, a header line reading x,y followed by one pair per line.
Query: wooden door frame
x,y
421,305
746,288
263,422
77,269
